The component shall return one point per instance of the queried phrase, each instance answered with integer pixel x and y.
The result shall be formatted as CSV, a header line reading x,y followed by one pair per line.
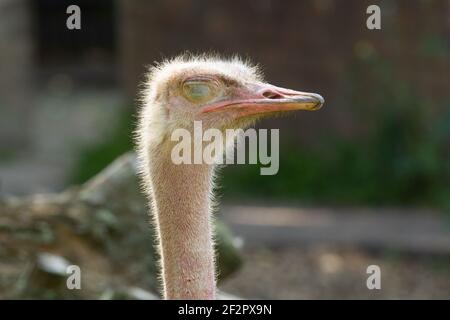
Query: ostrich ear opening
x,y
262,98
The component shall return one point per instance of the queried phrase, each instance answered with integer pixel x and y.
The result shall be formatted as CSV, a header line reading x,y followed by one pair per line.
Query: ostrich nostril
x,y
272,95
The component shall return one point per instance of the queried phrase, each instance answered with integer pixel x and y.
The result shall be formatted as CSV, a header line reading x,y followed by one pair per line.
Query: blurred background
x,y
366,180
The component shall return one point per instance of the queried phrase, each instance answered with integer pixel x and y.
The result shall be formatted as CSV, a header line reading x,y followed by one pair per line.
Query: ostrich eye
x,y
198,91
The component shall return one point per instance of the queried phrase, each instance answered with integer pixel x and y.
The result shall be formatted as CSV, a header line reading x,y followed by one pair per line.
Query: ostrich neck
x,y
181,195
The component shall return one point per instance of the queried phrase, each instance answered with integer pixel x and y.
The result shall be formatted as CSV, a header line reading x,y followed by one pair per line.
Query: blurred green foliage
x,y
7,156
403,159
93,159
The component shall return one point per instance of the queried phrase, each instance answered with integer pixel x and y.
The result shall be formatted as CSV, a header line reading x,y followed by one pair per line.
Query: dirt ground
x,y
329,273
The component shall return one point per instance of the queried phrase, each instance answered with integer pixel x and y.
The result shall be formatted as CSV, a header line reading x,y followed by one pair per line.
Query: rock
x,y
102,227
131,293
52,264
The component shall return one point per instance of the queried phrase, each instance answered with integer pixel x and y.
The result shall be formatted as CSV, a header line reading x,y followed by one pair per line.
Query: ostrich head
x,y
221,94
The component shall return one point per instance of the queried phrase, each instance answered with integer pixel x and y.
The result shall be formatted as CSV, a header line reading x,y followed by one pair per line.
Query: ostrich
x,y
222,93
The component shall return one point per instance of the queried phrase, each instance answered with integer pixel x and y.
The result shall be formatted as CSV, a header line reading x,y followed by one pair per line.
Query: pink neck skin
x,y
181,195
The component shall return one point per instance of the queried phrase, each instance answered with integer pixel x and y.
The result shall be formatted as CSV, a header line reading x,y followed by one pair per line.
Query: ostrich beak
x,y
263,98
